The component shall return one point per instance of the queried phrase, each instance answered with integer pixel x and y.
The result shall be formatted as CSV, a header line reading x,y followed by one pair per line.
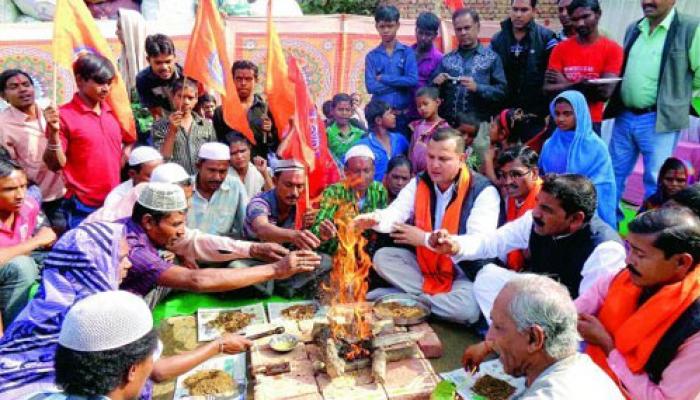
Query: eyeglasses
x,y
514,174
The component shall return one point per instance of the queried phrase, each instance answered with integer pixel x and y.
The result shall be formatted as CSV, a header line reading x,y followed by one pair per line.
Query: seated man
x,y
641,324
142,161
447,195
358,188
219,199
255,175
21,232
158,221
562,235
534,334
517,169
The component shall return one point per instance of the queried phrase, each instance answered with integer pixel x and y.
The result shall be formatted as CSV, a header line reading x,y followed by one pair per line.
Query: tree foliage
x,y
358,7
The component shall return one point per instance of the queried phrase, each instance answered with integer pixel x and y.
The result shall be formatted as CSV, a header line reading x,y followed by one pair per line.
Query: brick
x,y
356,385
430,344
264,355
298,384
410,379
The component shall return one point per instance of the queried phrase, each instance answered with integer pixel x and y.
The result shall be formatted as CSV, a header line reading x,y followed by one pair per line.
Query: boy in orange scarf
x,y
642,325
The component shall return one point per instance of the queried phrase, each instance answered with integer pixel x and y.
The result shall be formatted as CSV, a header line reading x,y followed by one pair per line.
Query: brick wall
x,y
494,10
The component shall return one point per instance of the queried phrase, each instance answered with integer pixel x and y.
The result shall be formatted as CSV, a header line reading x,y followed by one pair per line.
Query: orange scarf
x,y
637,330
516,258
437,269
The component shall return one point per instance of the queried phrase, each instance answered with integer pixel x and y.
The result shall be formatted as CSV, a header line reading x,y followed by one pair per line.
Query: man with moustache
x,y
562,234
153,83
642,325
219,199
651,105
447,196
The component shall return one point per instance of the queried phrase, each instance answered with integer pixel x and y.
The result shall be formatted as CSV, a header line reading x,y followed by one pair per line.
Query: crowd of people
x,y
478,176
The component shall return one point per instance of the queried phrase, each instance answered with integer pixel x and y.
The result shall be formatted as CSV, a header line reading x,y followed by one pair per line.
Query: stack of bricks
x,y
408,379
489,10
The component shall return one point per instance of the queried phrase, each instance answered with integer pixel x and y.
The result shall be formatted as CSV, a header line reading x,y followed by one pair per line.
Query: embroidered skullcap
x,y
359,150
143,154
287,165
165,197
169,173
104,321
214,151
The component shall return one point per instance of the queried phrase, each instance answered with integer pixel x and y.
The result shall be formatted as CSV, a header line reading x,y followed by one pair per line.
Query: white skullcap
x,y
214,151
359,150
165,197
143,154
287,165
104,321
169,173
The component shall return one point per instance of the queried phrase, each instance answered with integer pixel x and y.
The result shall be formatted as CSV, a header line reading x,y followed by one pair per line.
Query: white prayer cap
x,y
143,154
165,197
214,151
104,321
287,165
359,150
169,173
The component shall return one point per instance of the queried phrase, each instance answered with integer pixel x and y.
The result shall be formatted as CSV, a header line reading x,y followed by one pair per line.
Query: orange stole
x,y
637,331
437,269
516,258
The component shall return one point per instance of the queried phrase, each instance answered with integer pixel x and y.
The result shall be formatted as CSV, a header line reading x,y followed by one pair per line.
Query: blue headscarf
x,y
582,152
83,262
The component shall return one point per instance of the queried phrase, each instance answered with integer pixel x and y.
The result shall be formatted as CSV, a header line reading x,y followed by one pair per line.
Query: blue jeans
x,y
634,134
75,211
16,278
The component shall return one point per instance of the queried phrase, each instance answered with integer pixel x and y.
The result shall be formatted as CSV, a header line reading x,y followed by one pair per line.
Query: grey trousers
x,y
400,268
16,278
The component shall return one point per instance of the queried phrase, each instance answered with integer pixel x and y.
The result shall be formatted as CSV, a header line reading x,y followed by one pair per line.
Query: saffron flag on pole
x,y
306,142
74,33
454,5
278,89
208,62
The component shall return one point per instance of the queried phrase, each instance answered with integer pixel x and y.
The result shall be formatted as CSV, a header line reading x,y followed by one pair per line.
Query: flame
x,y
348,281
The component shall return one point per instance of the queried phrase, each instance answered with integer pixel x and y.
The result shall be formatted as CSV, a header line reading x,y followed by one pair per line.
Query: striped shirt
x,y
187,144
146,264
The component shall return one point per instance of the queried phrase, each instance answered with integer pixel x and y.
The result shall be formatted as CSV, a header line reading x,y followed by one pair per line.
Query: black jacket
x,y
525,84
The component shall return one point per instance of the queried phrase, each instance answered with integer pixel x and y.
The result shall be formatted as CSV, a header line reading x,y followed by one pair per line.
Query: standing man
x,y
142,161
245,77
428,56
391,71
86,142
22,133
576,63
567,28
471,78
651,106
448,195
219,199
524,48
154,82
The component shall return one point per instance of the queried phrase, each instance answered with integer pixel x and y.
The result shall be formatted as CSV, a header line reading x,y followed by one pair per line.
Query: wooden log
x,y
401,351
394,338
335,366
379,359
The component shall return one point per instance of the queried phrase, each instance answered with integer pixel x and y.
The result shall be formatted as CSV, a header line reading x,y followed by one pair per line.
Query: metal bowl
x,y
404,299
284,343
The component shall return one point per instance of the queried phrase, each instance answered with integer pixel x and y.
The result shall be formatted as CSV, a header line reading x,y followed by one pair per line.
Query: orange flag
x,y
74,33
278,89
454,5
306,142
208,62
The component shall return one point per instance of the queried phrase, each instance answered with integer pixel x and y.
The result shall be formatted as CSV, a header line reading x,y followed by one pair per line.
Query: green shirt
x,y
375,198
641,80
339,143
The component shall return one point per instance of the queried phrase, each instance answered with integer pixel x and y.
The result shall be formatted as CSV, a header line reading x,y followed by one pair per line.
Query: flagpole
x,y
184,84
54,83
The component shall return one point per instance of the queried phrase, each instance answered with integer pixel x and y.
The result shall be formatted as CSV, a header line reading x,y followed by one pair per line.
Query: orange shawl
x,y
516,258
637,330
437,269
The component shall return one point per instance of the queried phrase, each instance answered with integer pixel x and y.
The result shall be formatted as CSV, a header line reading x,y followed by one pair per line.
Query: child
x,y
575,148
205,106
391,71
398,174
153,83
427,103
180,135
673,177
357,114
468,124
384,143
342,135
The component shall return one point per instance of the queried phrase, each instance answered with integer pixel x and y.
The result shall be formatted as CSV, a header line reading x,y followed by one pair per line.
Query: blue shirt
x,y
223,214
399,75
399,145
